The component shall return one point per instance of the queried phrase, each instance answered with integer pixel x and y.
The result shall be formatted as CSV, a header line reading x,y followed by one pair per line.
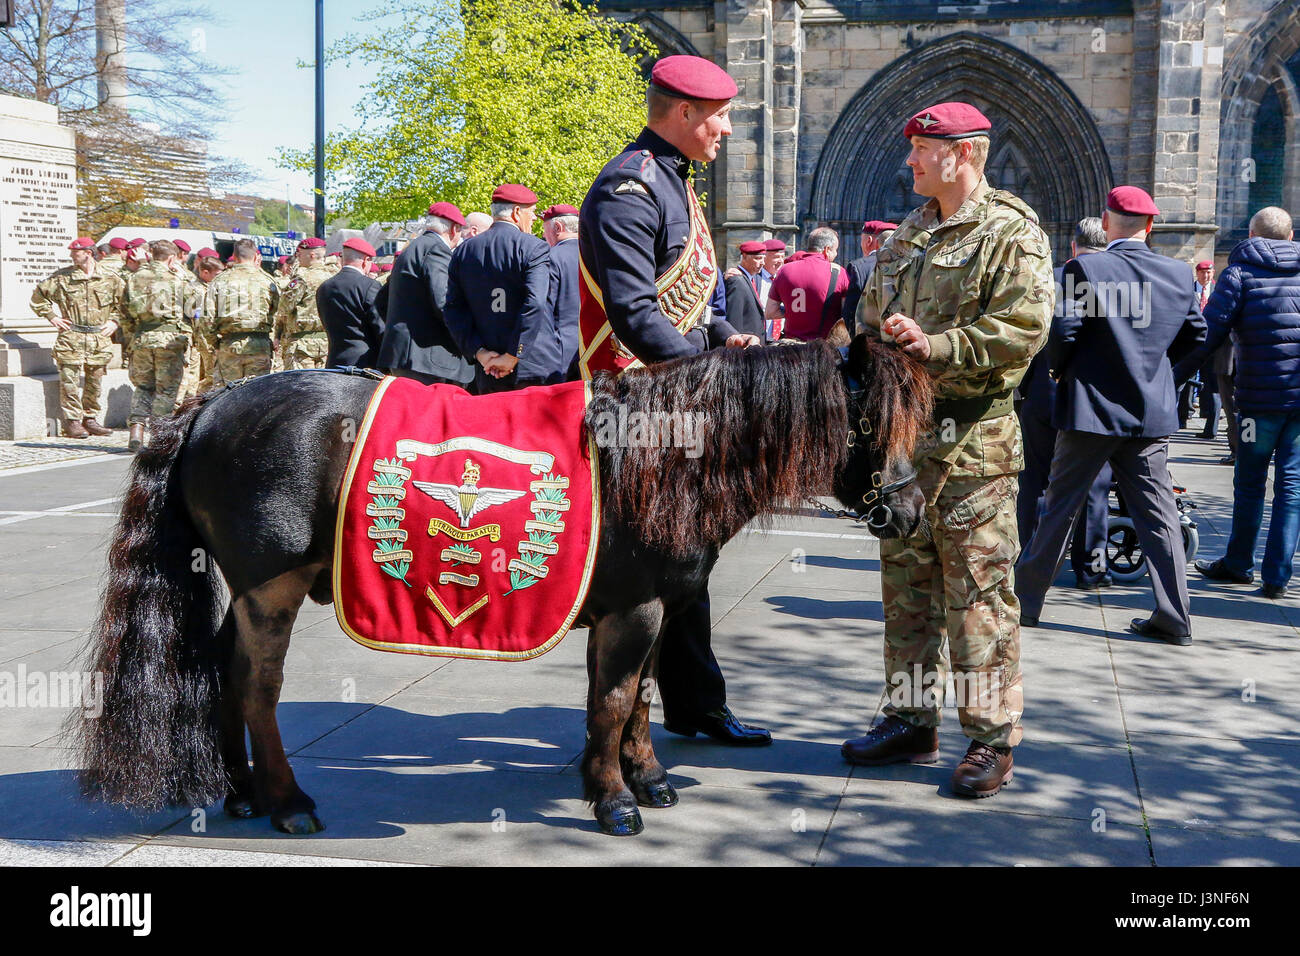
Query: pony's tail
x,y
157,739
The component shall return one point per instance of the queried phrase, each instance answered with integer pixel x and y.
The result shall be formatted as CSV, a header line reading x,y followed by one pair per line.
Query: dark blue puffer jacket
x,y
1257,299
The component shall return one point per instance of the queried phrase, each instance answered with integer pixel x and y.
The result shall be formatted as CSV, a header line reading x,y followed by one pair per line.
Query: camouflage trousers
x,y
157,374
197,369
306,351
74,402
950,610
231,366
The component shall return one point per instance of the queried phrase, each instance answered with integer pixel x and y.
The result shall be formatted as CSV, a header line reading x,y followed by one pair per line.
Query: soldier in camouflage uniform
x,y
89,304
299,332
964,285
239,317
113,260
198,368
161,301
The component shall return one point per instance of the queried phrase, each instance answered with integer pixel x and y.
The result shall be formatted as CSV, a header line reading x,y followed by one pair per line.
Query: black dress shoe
x,y
1146,629
1093,584
1230,460
722,725
1272,591
1216,570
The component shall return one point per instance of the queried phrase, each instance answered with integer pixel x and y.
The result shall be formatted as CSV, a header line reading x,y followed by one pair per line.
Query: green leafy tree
x,y
269,218
475,93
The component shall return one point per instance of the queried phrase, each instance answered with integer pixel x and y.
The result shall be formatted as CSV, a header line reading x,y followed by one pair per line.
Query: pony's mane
x,y
759,424
899,401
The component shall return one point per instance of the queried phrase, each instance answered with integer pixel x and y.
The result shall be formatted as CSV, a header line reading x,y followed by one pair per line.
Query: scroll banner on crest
x,y
467,524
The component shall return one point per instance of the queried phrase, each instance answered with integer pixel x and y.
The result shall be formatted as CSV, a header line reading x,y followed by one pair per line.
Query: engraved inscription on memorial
x,y
38,217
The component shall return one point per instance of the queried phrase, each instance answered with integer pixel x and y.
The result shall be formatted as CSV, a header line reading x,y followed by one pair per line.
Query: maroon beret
x,y
448,211
774,245
692,78
182,245
361,246
948,121
553,211
876,226
753,246
384,266
311,242
206,253
135,244
1205,264
1131,201
117,242
514,193
82,242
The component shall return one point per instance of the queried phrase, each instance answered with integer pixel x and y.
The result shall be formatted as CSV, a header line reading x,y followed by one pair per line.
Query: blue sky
x,y
270,101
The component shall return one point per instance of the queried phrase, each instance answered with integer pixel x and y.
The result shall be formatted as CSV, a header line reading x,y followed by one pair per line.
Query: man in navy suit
x,y
744,288
560,228
346,305
416,341
497,307
1088,552
1137,313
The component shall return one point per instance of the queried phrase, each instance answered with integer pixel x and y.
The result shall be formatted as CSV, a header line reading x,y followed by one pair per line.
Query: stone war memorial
x,y
38,218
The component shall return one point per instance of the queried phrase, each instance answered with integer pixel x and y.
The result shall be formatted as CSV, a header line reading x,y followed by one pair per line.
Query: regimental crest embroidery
x,y
491,538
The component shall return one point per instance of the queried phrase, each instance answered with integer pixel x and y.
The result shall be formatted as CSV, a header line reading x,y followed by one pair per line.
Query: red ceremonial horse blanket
x,y
467,524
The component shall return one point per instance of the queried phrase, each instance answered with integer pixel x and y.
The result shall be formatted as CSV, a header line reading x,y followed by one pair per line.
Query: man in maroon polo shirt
x,y
808,292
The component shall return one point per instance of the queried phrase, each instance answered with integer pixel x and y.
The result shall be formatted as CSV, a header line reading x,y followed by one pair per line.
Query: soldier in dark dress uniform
x,y
560,224
497,308
643,236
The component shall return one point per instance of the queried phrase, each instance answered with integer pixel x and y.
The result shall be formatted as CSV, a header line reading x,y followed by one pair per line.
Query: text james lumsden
x,y
76,909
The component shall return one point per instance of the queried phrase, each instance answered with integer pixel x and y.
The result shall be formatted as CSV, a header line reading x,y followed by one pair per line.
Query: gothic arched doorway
x,y
1045,146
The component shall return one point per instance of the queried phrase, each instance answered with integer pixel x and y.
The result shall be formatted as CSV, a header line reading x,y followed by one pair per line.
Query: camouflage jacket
x,y
160,300
87,301
980,286
113,264
242,299
297,314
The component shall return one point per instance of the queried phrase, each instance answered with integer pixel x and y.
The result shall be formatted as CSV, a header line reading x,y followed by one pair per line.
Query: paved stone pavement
x,y
1135,752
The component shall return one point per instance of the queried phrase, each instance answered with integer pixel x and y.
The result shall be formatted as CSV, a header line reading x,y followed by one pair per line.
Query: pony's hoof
x,y
658,795
300,823
241,807
620,821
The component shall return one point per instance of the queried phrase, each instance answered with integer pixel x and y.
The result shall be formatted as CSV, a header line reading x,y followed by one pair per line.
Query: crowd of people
x,y
1049,387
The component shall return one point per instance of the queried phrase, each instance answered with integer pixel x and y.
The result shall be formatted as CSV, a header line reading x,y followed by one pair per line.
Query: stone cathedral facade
x,y
1195,101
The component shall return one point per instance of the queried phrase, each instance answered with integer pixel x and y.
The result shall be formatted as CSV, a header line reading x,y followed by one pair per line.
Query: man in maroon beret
x,y
860,269
137,254
346,305
301,341
416,342
774,253
497,299
965,286
747,288
114,257
651,293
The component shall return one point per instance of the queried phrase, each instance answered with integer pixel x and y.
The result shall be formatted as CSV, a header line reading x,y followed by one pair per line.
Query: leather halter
x,y
873,500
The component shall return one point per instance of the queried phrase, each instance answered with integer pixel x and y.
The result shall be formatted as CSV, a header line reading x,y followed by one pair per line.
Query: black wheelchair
x,y
1124,559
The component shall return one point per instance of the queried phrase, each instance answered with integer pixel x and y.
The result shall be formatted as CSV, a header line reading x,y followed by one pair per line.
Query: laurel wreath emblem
x,y
519,577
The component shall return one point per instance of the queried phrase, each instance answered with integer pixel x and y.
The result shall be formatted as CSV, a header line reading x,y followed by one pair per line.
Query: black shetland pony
x,y
243,485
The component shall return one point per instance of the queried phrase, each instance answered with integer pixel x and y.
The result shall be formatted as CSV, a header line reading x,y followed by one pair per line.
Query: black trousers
x,y
424,378
690,681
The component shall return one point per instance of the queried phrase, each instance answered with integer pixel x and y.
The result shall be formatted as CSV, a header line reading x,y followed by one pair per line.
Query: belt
x,y
980,408
225,336
86,328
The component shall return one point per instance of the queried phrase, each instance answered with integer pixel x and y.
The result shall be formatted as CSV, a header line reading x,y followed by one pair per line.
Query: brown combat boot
x,y
982,771
74,429
94,427
136,440
893,740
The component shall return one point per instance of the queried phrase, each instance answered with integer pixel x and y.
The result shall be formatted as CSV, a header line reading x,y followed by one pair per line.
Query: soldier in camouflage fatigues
x,y
162,298
89,310
976,291
239,317
299,332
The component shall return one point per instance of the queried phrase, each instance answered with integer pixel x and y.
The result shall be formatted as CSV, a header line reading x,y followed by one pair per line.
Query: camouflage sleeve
x,y
42,301
868,314
992,353
204,326
117,311
133,304
286,311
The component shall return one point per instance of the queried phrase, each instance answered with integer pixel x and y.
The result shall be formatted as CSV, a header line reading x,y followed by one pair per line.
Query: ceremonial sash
x,y
683,293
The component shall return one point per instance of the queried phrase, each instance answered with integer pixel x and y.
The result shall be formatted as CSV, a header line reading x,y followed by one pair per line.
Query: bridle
x,y
876,513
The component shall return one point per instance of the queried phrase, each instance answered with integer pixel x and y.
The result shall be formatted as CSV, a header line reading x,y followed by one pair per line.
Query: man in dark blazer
x,y
497,309
1137,314
416,341
345,303
860,269
560,227
1038,389
744,289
